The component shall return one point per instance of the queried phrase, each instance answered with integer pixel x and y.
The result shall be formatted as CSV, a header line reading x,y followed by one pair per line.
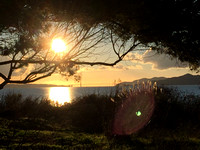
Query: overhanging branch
x,y
3,76
33,80
120,58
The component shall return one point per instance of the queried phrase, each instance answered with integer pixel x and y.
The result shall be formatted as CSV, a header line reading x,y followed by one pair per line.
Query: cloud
x,y
158,61
4,68
121,67
21,73
162,61
118,67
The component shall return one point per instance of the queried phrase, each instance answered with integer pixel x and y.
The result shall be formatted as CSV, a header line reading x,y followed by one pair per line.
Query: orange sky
x,y
135,66
105,76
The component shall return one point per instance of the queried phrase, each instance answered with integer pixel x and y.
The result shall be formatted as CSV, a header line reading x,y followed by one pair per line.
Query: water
x,y
186,89
67,94
60,94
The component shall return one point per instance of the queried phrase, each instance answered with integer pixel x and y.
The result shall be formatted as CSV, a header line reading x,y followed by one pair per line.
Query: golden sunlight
x,y
60,95
58,45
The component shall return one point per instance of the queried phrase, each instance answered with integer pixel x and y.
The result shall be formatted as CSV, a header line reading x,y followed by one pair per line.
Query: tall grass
x,y
31,123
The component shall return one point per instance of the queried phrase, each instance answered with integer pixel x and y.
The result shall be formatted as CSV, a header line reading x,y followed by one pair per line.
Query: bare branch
x,y
69,61
40,71
113,44
86,47
3,76
33,80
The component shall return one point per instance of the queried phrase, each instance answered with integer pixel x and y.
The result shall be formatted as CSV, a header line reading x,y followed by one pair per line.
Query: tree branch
x,y
3,76
69,61
30,81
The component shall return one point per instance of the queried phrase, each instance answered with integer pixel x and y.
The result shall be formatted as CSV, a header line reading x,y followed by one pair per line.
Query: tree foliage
x,y
89,27
169,26
26,44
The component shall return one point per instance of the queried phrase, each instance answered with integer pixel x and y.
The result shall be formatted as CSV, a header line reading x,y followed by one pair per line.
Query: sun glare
x,y
58,45
60,95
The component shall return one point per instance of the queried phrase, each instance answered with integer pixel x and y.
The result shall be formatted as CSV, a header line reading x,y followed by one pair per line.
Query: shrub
x,y
172,109
91,113
95,113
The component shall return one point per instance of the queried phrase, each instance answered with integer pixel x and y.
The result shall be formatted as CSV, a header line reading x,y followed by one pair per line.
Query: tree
x,y
167,26
27,29
26,45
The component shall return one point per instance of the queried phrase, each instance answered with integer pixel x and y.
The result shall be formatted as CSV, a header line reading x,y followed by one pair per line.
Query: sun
x,y
58,45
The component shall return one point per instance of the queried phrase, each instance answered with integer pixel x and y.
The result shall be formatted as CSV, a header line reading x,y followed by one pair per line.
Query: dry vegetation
x,y
86,124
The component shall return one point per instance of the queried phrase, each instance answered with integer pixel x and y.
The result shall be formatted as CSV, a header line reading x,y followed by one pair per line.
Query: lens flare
x,y
138,113
134,112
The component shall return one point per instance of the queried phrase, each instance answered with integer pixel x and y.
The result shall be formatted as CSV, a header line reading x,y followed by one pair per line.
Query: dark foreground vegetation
x,y
86,123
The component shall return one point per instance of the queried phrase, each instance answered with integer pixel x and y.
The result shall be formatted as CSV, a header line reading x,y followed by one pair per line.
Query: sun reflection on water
x,y
60,95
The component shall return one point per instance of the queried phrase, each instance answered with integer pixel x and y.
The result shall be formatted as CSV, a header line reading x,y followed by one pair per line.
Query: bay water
x,y
67,94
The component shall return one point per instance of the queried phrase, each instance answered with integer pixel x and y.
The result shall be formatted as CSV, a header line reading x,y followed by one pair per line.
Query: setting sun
x,y
58,45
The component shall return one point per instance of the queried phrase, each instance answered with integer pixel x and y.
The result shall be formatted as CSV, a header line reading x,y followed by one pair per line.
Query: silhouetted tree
x,y
168,26
92,28
25,44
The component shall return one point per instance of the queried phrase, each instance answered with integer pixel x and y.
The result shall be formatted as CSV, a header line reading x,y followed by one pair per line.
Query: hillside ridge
x,y
186,79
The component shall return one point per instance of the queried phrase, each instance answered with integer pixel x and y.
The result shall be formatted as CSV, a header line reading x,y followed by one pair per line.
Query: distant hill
x,y
186,79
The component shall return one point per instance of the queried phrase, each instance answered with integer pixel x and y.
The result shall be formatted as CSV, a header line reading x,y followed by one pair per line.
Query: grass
x,y
58,139
27,123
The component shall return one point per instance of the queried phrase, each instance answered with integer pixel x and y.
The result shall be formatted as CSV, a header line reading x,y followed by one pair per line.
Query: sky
x,y
135,66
